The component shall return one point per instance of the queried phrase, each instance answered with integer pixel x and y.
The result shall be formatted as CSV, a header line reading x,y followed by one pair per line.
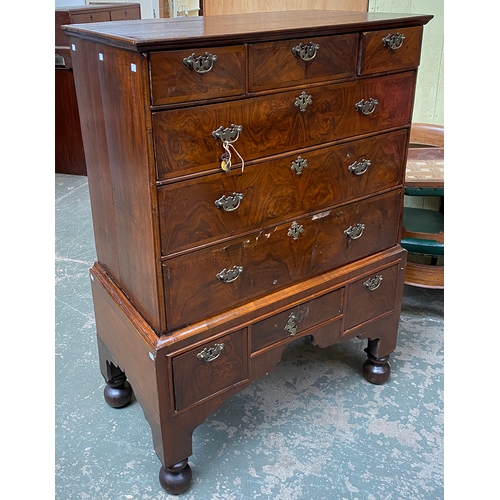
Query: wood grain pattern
x,y
272,260
172,81
308,315
273,191
375,57
364,304
195,379
332,115
273,65
217,7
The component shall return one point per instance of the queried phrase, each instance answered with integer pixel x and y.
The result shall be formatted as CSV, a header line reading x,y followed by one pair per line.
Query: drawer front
x,y
210,368
184,140
91,17
209,281
223,205
387,50
297,320
178,76
301,61
124,14
370,297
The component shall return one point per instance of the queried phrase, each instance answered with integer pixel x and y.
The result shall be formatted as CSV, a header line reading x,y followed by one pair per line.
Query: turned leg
x,y
176,479
376,370
118,391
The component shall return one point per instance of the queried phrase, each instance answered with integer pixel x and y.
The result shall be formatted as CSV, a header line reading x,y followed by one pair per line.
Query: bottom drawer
x,y
371,296
297,320
210,368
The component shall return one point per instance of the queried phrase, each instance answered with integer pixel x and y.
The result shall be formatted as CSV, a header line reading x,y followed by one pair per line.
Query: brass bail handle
x,y
393,42
366,107
306,51
200,64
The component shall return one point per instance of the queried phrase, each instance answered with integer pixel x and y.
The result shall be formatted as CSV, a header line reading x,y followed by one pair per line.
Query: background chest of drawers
x,y
205,273
69,154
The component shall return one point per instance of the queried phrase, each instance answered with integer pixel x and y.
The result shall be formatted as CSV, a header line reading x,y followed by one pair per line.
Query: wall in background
x,y
429,99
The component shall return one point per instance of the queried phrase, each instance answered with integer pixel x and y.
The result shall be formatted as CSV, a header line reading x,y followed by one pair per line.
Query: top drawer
x,y
91,17
296,62
189,75
390,50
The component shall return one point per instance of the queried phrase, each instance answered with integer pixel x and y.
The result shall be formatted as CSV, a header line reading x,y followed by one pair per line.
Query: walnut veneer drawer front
x,y
390,50
189,75
186,139
210,368
209,281
371,296
300,61
222,205
297,320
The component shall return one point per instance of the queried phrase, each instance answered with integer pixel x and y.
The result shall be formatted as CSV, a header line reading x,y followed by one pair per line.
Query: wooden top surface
x,y
154,34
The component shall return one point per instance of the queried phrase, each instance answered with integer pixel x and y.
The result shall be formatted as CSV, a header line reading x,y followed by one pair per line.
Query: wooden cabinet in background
x,y
69,152
207,271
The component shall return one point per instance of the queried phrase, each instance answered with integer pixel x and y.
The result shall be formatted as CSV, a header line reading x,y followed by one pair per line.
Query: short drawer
x,y
194,74
301,61
91,17
190,140
221,205
390,50
295,321
370,297
211,280
124,14
210,369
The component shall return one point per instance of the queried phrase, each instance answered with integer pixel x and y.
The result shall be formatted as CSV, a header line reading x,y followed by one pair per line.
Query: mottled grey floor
x,y
312,429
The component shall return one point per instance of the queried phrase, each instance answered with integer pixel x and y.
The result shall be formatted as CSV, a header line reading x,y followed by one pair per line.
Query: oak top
x,y
154,34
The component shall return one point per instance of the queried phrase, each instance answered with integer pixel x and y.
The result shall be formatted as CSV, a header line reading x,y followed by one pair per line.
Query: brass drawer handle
x,y
200,64
359,167
292,324
366,107
299,164
373,283
306,51
210,353
302,101
355,232
393,42
229,203
229,275
228,135
295,230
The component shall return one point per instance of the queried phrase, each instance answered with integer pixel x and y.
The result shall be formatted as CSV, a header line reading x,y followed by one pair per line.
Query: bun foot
x,y
176,479
118,393
376,370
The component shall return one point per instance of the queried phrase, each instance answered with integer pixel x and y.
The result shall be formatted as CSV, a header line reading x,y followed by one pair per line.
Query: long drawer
x,y
205,282
190,140
222,205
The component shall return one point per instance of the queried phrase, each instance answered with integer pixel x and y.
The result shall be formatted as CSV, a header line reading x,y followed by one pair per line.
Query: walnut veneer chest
x,y
246,180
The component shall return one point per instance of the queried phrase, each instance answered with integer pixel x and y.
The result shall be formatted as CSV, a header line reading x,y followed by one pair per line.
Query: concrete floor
x,y
312,429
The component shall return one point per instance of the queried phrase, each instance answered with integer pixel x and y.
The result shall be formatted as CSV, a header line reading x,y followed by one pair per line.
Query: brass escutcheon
x,y
295,230
302,101
299,164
